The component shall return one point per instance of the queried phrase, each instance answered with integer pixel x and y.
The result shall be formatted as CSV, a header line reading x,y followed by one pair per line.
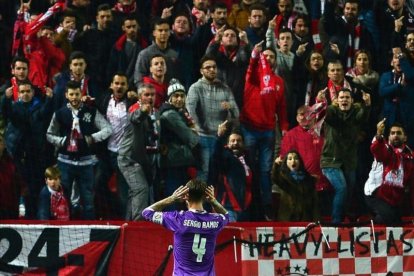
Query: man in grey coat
x,y
210,102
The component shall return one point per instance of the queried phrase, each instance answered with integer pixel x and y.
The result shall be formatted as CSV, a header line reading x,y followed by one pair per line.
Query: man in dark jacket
x,y
178,137
73,130
113,105
25,136
347,33
97,42
343,123
138,152
76,72
230,173
125,51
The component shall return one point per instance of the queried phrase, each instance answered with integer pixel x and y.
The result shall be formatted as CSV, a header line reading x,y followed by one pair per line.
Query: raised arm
x,y
179,194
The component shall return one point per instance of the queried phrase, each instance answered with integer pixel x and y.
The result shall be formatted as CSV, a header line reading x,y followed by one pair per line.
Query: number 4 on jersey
x,y
199,247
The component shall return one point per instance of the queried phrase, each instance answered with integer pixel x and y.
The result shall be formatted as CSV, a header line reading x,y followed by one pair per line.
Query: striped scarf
x,y
354,37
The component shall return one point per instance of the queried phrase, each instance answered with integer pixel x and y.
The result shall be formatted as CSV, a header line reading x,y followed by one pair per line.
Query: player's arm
x,y
179,194
213,201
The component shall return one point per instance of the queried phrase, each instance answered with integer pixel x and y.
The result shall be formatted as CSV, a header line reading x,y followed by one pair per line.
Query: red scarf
x,y
315,34
15,89
334,89
231,55
353,45
280,24
267,83
84,84
248,193
59,206
125,8
197,14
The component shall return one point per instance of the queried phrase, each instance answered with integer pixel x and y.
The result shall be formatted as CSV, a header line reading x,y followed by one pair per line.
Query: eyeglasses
x,y
208,67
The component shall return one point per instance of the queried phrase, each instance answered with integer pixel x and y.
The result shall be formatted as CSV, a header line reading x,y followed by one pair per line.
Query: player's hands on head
x,y
210,194
181,193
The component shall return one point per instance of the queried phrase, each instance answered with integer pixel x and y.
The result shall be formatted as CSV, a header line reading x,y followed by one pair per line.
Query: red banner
x,y
141,248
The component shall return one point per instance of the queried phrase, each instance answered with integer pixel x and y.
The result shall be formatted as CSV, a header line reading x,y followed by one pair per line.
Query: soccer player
x,y
195,230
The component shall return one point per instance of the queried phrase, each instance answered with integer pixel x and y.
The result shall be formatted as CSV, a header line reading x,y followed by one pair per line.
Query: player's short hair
x,y
52,172
196,190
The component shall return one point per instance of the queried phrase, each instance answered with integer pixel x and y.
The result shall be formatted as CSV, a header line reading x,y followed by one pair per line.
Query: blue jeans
x,y
107,165
343,183
207,146
84,177
261,143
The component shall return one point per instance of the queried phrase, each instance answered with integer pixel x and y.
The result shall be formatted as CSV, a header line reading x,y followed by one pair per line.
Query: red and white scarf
x,y
127,9
353,44
199,18
334,89
83,83
59,207
267,82
75,133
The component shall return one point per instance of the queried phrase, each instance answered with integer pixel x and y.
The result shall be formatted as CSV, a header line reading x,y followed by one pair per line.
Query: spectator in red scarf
x,y
125,51
76,72
205,33
200,13
346,32
53,204
388,200
263,102
158,70
45,58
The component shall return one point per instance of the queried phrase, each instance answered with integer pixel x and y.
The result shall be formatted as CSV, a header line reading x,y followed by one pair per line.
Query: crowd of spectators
x,y
107,106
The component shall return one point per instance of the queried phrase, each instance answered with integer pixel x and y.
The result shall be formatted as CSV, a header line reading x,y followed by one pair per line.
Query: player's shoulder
x,y
218,216
221,218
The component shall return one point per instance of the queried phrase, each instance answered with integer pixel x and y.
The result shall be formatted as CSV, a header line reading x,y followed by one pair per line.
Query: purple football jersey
x,y
195,236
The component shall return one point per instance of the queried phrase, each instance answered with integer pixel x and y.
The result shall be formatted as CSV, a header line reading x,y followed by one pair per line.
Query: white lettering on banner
x,y
348,251
39,245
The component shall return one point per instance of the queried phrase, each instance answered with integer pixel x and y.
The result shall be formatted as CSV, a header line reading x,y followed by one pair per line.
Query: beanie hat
x,y
175,86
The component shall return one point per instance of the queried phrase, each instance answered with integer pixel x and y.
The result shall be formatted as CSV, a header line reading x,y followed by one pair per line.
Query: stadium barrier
x,y
141,248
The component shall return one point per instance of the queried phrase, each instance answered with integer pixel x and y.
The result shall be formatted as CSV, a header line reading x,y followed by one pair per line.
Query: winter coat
x,y
298,199
177,138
